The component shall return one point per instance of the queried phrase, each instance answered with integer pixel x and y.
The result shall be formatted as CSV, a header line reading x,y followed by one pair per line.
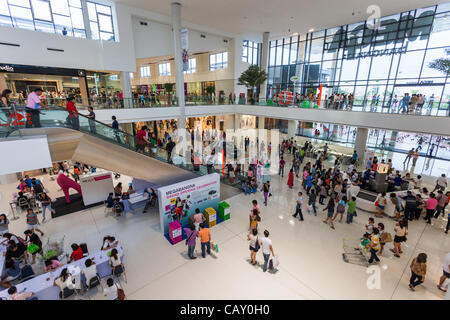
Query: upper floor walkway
x,y
426,120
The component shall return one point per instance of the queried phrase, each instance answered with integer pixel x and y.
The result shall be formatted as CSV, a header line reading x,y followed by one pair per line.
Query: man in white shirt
x,y
266,246
441,183
298,207
110,292
446,272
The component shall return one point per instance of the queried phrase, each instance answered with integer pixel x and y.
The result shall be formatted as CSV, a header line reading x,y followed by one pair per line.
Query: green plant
x,y
210,90
168,87
442,64
252,78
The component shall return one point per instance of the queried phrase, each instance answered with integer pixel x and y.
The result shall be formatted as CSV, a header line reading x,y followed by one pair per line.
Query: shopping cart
x,y
54,248
354,252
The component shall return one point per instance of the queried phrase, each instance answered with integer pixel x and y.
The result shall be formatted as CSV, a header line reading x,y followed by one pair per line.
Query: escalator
x,y
96,144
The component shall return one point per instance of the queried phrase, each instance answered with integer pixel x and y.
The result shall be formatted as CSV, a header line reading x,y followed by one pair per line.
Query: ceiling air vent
x,y
225,40
9,44
143,23
57,50
202,36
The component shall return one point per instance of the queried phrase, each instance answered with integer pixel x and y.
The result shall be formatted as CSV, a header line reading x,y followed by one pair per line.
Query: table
x,y
44,289
3,249
137,200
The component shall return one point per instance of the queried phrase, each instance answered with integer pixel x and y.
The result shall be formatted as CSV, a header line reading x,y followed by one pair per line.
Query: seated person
x,y
9,236
15,295
130,189
16,251
22,201
77,253
64,280
152,197
90,271
52,264
118,206
28,181
110,200
118,190
109,242
111,291
12,272
21,185
245,187
115,259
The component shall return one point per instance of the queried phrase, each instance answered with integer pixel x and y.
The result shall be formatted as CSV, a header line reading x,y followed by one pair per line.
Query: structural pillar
x,y
292,128
261,121
125,84
264,64
3,85
8,178
237,121
82,82
360,142
179,76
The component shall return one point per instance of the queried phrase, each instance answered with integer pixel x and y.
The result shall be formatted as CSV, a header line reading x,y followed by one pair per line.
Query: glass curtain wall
x,y
377,66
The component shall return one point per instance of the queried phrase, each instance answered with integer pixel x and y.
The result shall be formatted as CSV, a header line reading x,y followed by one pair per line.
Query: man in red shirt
x,y
120,96
73,113
141,139
76,254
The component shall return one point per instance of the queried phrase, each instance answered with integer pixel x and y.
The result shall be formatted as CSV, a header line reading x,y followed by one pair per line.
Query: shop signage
x,y
18,68
375,53
7,68
390,31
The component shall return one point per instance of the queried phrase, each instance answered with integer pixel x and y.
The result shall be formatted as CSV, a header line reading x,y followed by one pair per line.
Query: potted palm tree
x,y
252,78
210,91
169,88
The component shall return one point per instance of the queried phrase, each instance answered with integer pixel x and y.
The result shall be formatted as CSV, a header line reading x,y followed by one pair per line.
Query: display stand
x,y
211,217
224,211
175,233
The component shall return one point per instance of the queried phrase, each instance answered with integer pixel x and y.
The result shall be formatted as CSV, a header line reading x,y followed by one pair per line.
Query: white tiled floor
x,y
311,265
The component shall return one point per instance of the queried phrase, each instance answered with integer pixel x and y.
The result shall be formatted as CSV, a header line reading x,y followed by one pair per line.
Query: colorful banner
x,y
202,193
184,48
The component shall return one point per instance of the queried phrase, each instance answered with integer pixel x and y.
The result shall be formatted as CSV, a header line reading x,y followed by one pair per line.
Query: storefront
x,y
57,83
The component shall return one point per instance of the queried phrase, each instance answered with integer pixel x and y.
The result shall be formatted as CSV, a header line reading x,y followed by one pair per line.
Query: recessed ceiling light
x,y
310,30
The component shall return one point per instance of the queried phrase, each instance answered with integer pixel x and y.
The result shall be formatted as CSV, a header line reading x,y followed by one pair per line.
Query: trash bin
x,y
224,211
210,215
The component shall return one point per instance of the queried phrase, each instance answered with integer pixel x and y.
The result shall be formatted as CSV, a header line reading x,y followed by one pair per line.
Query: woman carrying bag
x,y
255,244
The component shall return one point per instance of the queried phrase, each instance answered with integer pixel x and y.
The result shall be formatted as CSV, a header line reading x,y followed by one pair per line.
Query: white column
x,y
87,25
8,178
292,128
360,142
179,76
125,83
264,64
261,121
237,121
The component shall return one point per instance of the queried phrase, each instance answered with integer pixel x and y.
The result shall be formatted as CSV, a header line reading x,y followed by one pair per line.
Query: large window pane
x,y
44,26
107,36
77,18
105,23
5,21
41,10
410,64
103,9
22,3
380,67
60,7
75,3
349,67
91,11
432,55
363,71
94,30
4,8
440,34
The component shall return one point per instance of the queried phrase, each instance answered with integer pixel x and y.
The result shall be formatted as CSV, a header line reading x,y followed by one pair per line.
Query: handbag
x,y
33,248
257,246
187,240
120,293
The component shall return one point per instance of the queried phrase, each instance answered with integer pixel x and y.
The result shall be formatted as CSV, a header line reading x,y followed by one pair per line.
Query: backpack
x,y
340,208
117,208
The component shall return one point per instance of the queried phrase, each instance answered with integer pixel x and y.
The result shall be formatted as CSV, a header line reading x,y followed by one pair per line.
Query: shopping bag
x,y
276,262
32,248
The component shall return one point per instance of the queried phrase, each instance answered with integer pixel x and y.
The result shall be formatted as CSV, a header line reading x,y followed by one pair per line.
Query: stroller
x,y
54,248
354,252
